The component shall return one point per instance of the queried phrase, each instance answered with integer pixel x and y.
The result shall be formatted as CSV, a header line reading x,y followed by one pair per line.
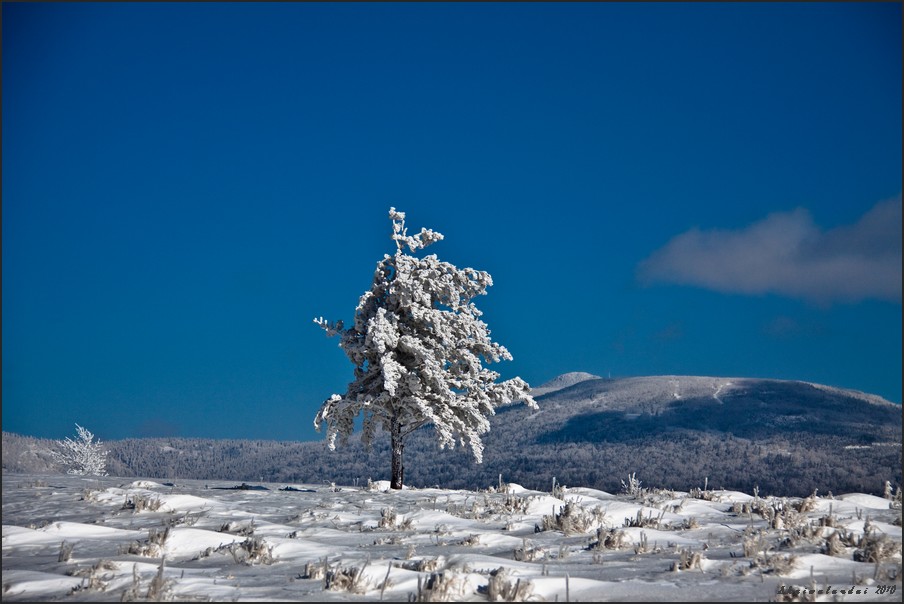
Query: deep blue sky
x,y
699,189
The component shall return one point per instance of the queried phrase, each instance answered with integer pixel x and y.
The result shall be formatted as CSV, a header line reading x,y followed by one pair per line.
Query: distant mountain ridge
x,y
680,432
683,386
563,381
601,410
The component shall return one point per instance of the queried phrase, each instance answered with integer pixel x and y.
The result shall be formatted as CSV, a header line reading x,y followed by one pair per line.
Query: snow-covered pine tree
x,y
418,346
84,456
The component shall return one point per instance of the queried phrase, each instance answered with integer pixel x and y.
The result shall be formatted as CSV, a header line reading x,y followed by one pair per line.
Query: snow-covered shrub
x,y
159,589
608,539
315,570
877,547
528,552
151,547
65,552
806,505
660,498
641,521
754,542
420,565
471,540
444,586
250,551
502,587
632,487
685,525
833,546
140,503
94,577
688,560
84,456
235,527
517,505
896,498
784,516
756,548
187,519
643,546
756,506
387,518
572,519
494,503
808,532
350,579
418,347
777,564
558,490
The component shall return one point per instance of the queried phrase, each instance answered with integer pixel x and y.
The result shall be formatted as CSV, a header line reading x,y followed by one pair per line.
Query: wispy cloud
x,y
788,254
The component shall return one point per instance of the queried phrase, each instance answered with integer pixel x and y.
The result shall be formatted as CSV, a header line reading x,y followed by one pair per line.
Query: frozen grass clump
x,y
632,486
772,564
152,547
502,587
252,550
608,539
321,537
242,529
140,503
641,521
95,578
528,552
688,560
877,548
349,579
572,519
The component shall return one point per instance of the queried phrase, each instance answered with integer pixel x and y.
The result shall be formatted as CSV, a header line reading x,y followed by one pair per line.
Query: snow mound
x,y
563,381
523,543
143,484
866,501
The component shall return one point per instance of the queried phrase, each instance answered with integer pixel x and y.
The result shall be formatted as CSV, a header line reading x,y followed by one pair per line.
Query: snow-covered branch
x,y
84,456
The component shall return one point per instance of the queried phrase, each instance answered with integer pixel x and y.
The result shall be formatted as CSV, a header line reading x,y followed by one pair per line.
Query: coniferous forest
x,y
786,438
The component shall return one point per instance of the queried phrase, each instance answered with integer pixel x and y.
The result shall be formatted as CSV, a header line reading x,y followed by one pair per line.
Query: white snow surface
x,y
208,541
563,381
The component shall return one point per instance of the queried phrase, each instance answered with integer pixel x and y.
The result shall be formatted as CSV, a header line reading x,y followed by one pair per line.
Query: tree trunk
x,y
398,447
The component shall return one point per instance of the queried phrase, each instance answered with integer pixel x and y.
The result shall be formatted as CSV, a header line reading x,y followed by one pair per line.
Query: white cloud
x,y
788,254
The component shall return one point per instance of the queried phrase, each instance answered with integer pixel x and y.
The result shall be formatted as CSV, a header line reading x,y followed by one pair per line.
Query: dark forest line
x,y
674,432
679,461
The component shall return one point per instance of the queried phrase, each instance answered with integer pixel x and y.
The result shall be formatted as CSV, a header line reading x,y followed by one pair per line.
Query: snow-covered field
x,y
110,539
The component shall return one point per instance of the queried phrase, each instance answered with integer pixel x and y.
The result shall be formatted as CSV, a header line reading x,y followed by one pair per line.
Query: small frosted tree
x,y
418,347
84,456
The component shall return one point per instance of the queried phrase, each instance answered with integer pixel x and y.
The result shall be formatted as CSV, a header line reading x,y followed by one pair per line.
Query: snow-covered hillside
x,y
563,381
581,406
107,539
785,437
